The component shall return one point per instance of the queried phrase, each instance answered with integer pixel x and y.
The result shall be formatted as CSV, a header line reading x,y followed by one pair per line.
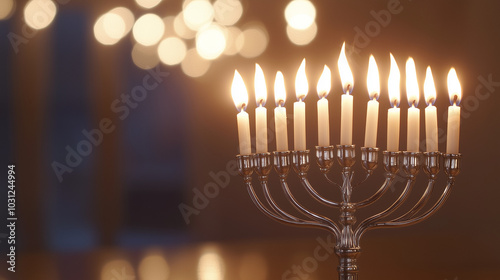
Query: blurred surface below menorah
x,y
347,233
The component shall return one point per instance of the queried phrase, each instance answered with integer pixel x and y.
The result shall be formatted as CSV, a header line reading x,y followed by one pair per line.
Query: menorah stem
x,y
348,268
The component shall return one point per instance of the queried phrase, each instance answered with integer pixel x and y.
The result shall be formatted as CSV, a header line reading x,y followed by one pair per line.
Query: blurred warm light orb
x,y
145,57
148,29
114,267
211,266
38,14
100,33
198,13
172,50
254,41
300,14
210,41
153,267
6,8
228,12
232,47
302,37
181,28
114,25
194,65
148,4
126,15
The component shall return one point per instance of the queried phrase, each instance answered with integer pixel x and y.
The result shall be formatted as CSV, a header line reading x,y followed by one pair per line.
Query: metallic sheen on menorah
x,y
347,232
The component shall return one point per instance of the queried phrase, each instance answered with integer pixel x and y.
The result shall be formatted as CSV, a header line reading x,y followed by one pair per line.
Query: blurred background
x,y
119,119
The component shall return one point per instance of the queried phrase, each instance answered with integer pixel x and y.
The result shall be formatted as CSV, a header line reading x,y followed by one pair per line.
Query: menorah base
x,y
348,268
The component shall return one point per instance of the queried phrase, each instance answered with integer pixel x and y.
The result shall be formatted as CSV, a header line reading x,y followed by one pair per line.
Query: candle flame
x,y
301,85
412,90
454,88
345,72
324,83
260,86
394,80
239,92
373,79
279,89
429,87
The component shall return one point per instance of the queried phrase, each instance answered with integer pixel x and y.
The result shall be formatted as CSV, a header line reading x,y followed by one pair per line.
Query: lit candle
x,y
347,99
260,111
323,89
393,114
299,108
280,113
431,127
412,91
455,92
240,98
373,83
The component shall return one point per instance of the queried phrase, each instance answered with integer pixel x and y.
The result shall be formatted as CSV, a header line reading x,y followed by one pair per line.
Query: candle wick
x,y
431,101
261,102
455,99
394,103
347,88
301,98
413,103
243,105
375,96
281,103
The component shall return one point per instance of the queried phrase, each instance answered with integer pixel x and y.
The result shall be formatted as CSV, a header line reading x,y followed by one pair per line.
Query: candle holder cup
x,y
347,233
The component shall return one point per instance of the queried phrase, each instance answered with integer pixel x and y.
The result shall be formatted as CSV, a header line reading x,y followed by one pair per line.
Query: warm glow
x,y
253,40
181,28
279,89
153,267
211,266
198,13
324,83
127,16
148,4
260,86
38,14
301,84
429,88
239,92
120,267
300,14
302,37
210,41
232,47
100,33
373,79
394,83
145,57
228,12
114,25
6,8
345,72
172,50
148,29
194,65
454,88
412,90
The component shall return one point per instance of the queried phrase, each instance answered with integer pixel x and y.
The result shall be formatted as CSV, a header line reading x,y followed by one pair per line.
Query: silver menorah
x,y
347,234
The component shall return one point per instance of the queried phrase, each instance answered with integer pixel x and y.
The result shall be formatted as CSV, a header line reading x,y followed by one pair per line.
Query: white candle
x,y
431,128
323,89
280,113
240,98
455,92
393,114
373,83
299,109
413,125
347,99
260,111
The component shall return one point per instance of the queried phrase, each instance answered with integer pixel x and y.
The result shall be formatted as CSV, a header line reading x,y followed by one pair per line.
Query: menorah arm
x,y
317,217
309,188
275,216
420,204
274,205
380,192
401,199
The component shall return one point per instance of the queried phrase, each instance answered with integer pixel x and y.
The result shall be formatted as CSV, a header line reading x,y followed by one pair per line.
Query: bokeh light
x,y
100,33
38,14
211,265
148,29
126,15
302,37
172,50
254,40
198,13
194,65
119,266
300,14
210,41
114,25
228,12
232,46
6,8
153,267
148,4
145,57
181,28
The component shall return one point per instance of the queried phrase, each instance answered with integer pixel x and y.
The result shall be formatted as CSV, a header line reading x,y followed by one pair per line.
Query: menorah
x,y
347,233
